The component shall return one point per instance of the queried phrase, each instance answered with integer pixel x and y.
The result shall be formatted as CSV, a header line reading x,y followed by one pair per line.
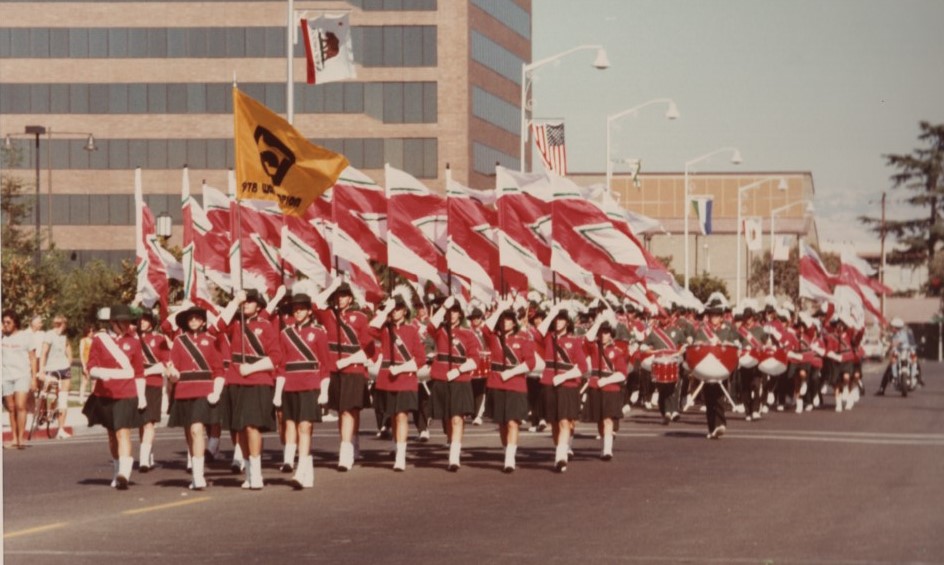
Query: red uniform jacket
x,y
613,360
258,339
398,345
198,360
156,349
305,357
569,353
464,346
101,356
519,348
351,328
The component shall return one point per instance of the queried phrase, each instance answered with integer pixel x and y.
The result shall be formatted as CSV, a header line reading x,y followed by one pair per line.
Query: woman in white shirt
x,y
55,362
18,358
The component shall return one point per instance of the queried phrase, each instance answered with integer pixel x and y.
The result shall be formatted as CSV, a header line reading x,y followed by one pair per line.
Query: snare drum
x,y
772,362
712,363
665,370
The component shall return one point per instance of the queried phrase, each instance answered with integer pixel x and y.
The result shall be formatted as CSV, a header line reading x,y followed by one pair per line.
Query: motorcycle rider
x,y
903,341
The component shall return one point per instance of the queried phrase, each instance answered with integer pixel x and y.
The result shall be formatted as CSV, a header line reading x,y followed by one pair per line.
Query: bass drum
x,y
772,362
712,363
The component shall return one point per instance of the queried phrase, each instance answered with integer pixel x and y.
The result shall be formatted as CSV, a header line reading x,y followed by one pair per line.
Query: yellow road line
x,y
165,506
36,530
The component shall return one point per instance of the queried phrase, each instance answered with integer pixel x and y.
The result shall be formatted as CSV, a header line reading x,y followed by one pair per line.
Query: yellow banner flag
x,y
275,162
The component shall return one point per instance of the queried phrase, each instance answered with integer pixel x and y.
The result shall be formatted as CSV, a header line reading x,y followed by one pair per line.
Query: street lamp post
x,y
735,159
36,131
671,113
601,62
773,216
781,185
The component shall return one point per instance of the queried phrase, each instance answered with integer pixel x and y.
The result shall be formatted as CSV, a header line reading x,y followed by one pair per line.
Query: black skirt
x,y
185,412
348,391
560,403
301,406
503,406
152,414
252,408
391,402
225,407
838,369
113,413
602,404
452,399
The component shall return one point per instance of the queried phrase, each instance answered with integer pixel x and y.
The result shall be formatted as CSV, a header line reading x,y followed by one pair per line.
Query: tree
x,y
786,274
922,172
703,285
14,207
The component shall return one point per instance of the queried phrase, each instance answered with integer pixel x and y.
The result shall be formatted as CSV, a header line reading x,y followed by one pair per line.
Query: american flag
x,y
549,139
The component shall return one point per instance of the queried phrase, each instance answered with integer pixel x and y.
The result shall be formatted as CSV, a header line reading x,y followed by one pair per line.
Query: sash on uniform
x,y
664,338
119,356
508,357
149,358
254,344
561,359
199,360
310,363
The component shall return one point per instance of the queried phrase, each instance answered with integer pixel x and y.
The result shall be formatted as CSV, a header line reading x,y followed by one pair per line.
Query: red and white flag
x,y
257,234
524,230
472,251
416,229
195,223
549,139
359,229
328,53
816,282
152,286
305,244
857,274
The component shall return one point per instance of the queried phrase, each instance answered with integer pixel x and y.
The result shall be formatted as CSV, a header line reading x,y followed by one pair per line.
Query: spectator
x,y
55,362
85,346
18,360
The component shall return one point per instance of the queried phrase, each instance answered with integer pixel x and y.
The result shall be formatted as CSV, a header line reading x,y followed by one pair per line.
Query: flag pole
x,y
290,63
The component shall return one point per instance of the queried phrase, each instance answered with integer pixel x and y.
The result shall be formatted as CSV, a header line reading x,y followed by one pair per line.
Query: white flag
x,y
752,233
328,50
782,248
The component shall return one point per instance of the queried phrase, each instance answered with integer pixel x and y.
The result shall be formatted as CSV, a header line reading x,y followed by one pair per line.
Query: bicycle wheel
x,y
39,414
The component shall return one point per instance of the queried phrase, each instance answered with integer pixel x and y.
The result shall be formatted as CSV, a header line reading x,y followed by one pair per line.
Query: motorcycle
x,y
905,375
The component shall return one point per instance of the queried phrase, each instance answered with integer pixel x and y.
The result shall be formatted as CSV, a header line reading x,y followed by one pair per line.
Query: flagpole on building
x,y
290,63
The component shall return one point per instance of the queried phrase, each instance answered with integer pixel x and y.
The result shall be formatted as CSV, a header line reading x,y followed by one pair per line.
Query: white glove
x,y
171,372
453,374
155,369
572,373
140,385
794,355
321,301
263,364
273,304
834,356
408,367
323,394
519,369
468,365
214,397
355,359
277,395
108,374
611,380
230,310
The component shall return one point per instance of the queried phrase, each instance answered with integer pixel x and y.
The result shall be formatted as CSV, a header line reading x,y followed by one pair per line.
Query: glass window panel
x,y
314,99
5,103
373,5
228,145
413,46
20,95
353,97
59,98
429,46
357,44
333,144
413,102
430,103
176,98
59,43
196,153
334,97
393,5
254,89
178,42
118,98
78,209
198,42
275,42
215,154
5,39
43,210
413,156
431,159
275,97
39,98
354,151
137,153
137,43
118,154
373,46
157,43
300,105
98,98
157,154
235,42
78,98
98,42
216,42
98,210
216,95
373,100
137,98
393,152
56,154
78,156
393,103
255,41
98,159
373,153
20,43
392,46
176,153
119,210
157,98
39,42
196,98
117,42
78,42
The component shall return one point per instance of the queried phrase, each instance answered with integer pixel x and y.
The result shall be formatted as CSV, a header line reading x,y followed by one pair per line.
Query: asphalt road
x,y
860,487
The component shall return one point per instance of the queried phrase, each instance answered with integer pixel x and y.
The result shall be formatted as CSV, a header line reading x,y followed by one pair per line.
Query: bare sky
x,y
826,86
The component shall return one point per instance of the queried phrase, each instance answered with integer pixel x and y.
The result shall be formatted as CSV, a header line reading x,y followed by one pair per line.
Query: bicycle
x,y
44,397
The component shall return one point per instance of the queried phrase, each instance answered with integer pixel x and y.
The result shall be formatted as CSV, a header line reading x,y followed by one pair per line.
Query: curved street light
x,y
671,113
773,215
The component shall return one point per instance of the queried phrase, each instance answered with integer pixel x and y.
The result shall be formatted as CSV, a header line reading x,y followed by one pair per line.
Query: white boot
x,y
803,389
199,482
189,462
399,463
799,403
247,469
255,480
455,452
114,475
607,447
124,472
560,457
145,458
305,473
239,463
346,456
510,452
288,457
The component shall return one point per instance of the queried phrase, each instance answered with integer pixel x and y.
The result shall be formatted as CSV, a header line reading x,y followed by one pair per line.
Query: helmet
x,y
898,323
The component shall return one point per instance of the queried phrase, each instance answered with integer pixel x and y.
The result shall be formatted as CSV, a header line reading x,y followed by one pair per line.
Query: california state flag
x,y
328,51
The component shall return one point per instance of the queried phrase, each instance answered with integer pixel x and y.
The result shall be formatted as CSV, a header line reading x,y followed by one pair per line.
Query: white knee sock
x,y
288,453
198,480
125,465
144,457
400,460
561,452
346,455
608,444
510,452
455,453
237,454
255,463
305,474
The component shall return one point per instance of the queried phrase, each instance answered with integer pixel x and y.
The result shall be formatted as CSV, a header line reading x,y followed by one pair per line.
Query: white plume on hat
x,y
307,286
717,300
751,304
404,292
806,319
535,296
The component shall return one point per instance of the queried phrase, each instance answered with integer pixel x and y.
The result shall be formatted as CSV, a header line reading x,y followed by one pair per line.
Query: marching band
x,y
256,368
